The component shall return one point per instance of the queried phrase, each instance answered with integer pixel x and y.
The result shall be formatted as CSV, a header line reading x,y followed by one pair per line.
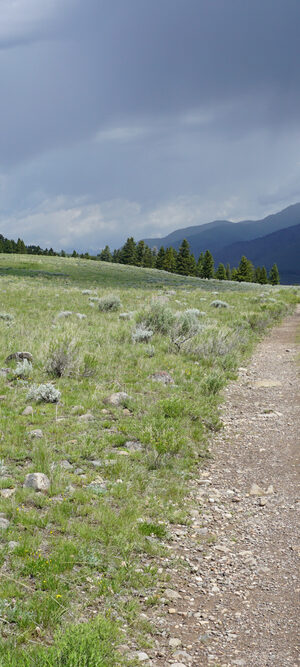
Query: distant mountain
x,y
227,240
281,247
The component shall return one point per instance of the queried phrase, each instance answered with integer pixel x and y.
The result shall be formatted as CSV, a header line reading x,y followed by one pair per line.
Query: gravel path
x,y
237,602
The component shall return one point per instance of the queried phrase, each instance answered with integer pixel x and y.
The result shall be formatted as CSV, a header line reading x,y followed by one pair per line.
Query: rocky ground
x,y
237,600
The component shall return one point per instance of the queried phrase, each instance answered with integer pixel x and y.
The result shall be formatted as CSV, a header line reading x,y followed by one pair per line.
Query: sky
x,y
138,117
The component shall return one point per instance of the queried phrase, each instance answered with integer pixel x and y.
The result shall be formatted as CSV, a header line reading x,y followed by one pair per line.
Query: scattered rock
x,y
267,383
19,356
2,397
12,545
142,657
28,411
133,445
87,417
117,399
79,471
172,595
66,465
126,316
4,371
37,481
174,642
4,523
7,493
77,410
162,376
36,433
81,316
256,490
96,463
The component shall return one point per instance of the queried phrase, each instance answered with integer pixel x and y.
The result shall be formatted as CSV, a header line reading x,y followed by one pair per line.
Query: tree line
x,y
182,261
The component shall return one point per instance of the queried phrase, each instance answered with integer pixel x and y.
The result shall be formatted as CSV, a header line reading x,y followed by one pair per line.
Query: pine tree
x,y
160,258
140,253
263,276
20,247
148,260
200,265
274,277
105,255
221,272
208,265
257,274
183,259
169,263
128,252
193,265
74,253
234,274
245,270
228,272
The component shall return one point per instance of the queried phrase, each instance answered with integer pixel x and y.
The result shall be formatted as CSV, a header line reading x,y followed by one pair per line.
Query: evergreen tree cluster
x,y
184,263
169,259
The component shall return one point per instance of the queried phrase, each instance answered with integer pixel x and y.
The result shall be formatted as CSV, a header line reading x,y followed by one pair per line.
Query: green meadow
x,y
81,561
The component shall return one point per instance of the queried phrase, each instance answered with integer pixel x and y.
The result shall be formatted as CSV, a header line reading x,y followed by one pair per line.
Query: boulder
x,y
28,411
19,356
37,481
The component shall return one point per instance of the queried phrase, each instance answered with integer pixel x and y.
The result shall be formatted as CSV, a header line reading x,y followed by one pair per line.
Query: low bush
x,y
159,318
141,335
110,303
23,369
46,393
217,303
185,327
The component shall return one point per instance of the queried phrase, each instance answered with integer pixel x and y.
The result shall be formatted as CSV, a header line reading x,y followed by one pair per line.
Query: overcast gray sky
x,y
122,117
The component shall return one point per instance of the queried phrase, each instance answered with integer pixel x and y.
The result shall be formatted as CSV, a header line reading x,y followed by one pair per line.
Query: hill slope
x,y
282,247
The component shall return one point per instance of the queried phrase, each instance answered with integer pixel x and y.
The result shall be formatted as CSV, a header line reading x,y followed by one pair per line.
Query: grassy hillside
x,y
82,561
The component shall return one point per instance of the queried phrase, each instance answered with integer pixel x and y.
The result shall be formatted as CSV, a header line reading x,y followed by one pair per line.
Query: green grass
x,y
86,554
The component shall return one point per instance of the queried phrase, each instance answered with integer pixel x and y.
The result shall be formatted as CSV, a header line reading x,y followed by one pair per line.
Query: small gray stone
x,y
81,316
37,481
28,411
12,545
141,656
4,523
79,471
172,595
7,493
96,463
117,399
162,376
133,445
174,642
87,417
66,465
36,433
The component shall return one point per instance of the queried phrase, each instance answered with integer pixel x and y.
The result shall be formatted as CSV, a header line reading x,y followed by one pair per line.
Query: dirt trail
x,y
238,601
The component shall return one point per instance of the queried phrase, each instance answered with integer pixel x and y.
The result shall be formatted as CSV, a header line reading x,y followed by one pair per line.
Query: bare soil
x,y
237,601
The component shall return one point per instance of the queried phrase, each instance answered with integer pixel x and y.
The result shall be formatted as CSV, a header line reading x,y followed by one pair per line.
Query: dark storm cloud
x,y
177,108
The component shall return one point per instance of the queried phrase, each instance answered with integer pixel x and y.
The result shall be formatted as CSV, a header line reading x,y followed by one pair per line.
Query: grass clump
x,y
46,393
62,359
110,303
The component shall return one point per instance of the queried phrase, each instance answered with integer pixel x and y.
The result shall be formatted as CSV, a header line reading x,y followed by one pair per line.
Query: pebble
x,y
28,411
37,481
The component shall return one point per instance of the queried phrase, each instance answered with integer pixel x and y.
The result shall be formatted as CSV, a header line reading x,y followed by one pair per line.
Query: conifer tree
x,y
274,277
257,274
208,265
160,258
234,274
245,270
148,260
128,252
221,272
200,265
105,255
228,271
263,276
169,263
193,265
140,252
183,259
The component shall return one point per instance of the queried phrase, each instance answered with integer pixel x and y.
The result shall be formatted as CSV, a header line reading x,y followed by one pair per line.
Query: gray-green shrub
x,y
109,303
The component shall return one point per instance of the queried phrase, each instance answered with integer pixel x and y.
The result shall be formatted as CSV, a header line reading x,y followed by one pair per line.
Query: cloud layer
x,y
142,117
